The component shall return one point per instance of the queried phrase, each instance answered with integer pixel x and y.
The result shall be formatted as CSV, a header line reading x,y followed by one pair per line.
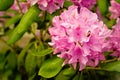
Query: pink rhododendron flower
x,y
114,9
23,5
114,40
48,5
79,37
85,3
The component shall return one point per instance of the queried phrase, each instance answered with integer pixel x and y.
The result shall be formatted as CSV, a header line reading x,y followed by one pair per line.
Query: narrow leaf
x,y
24,24
30,64
13,20
21,56
11,61
43,52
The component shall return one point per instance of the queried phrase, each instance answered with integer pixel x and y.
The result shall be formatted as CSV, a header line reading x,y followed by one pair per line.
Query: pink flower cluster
x,y
114,9
24,6
79,37
114,40
85,3
48,5
53,5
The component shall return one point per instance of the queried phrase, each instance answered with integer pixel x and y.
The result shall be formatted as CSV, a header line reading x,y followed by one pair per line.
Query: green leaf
x,y
18,77
5,4
43,52
13,20
2,62
103,6
11,61
21,56
51,67
30,64
60,76
32,77
78,76
65,74
112,66
110,23
26,21
22,0
118,1
67,4
6,75
69,71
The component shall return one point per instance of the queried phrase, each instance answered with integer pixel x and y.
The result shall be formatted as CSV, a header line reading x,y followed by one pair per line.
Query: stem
x,y
35,36
97,68
7,45
17,1
111,60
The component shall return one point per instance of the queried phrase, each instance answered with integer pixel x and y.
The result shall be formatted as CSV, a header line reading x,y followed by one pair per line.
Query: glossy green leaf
x,y
103,6
60,76
5,4
24,24
51,67
13,20
43,52
112,66
69,71
30,64
21,56
65,74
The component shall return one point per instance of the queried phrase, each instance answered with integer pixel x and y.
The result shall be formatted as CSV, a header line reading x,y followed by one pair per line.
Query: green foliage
x,y
51,67
30,64
43,52
110,23
13,20
26,55
65,74
103,6
24,24
21,56
5,4
11,61
118,1
112,66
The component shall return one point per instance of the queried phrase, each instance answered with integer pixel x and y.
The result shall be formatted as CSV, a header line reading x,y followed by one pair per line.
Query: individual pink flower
x,y
78,37
48,5
23,5
114,40
114,9
85,3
